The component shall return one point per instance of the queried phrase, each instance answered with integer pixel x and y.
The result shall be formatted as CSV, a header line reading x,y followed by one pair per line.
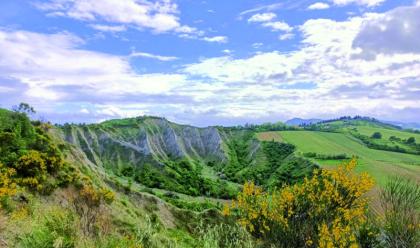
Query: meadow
x,y
380,164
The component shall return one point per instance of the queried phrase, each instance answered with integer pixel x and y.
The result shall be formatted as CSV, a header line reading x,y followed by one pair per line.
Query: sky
x,y
213,62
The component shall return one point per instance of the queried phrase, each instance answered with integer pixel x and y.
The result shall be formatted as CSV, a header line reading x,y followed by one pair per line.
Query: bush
x,y
377,135
411,140
324,211
7,185
401,203
88,205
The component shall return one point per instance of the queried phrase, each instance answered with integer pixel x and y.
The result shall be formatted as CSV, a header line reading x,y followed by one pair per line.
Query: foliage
x,y
88,205
401,203
411,140
24,108
32,155
315,155
58,230
7,185
224,236
277,168
183,177
373,145
376,135
324,211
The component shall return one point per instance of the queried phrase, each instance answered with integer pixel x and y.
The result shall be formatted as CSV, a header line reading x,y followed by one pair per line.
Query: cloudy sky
x,y
211,62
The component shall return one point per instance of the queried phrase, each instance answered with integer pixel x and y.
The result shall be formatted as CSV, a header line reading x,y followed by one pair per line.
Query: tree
x,y
377,135
24,108
411,140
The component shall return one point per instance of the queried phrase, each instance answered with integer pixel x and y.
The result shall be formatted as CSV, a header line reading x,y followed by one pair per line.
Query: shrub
x,y
377,135
7,185
411,140
88,205
401,203
324,211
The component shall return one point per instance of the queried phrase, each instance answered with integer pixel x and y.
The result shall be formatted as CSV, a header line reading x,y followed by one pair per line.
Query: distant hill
x,y
404,125
300,121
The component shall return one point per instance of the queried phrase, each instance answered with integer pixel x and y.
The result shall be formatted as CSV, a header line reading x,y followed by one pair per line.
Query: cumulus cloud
x,y
268,20
217,39
159,16
324,76
318,6
340,81
46,62
263,17
278,26
397,31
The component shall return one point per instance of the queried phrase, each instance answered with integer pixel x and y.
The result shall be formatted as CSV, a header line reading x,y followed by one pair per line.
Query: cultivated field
x,y
380,164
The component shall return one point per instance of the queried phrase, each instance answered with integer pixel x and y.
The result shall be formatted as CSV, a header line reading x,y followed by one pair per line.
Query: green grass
x,y
386,133
380,164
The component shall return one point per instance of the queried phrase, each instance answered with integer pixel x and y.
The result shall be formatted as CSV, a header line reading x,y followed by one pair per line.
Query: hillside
x,y
145,177
328,143
148,182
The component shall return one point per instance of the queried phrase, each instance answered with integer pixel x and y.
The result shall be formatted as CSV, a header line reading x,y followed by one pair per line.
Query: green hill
x,y
379,163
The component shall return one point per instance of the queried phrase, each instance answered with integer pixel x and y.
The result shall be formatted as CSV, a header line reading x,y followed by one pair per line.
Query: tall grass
x,y
57,230
400,200
224,236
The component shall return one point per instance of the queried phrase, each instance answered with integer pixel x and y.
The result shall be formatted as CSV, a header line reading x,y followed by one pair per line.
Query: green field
x,y
380,164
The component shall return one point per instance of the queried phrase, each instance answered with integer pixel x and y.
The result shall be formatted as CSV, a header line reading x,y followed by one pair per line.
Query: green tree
x,y
24,108
411,140
377,135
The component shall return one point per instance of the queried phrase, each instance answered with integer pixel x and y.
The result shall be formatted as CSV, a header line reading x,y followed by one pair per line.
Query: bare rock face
x,y
145,140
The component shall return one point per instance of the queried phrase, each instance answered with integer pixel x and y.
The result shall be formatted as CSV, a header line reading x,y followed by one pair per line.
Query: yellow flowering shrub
x,y
7,185
326,210
89,206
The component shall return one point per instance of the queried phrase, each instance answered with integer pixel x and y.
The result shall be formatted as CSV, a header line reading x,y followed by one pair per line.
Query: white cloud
x,y
227,51
368,3
318,6
269,7
158,16
396,31
286,36
278,26
49,63
108,28
322,77
84,111
264,17
153,56
268,20
217,39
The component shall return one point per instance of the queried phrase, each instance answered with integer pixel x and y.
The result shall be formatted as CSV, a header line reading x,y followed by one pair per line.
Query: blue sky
x,y
211,62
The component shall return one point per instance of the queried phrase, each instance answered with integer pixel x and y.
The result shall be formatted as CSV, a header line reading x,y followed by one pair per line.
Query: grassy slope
x,y
380,164
386,133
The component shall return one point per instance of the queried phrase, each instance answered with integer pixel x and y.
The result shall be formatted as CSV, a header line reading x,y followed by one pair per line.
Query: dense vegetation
x,y
330,210
183,177
29,155
57,194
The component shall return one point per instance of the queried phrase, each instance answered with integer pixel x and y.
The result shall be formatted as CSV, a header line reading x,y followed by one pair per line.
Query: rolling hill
x,y
379,163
